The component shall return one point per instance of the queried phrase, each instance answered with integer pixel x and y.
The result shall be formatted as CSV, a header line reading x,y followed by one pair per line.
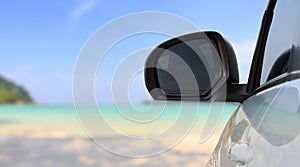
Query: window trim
x,y
286,77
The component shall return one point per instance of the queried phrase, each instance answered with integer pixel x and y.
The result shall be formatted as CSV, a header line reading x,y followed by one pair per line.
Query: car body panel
x,y
266,125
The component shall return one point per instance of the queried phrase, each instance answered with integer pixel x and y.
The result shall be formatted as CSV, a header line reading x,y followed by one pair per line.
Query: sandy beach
x,y
38,149
49,139
20,151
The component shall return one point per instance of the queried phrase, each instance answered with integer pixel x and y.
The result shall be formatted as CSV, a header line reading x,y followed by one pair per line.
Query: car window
x,y
283,41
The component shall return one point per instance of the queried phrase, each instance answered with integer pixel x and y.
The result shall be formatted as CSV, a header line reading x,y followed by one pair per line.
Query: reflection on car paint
x,y
264,131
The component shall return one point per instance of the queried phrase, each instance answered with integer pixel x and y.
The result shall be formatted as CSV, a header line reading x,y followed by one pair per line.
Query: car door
x,y
264,130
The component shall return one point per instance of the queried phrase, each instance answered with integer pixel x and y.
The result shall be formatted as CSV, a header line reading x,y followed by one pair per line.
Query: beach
x,y
29,151
53,136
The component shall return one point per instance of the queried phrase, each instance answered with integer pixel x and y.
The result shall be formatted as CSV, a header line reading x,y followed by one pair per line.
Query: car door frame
x,y
258,56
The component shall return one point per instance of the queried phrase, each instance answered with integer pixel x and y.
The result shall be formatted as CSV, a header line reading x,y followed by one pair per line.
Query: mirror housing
x,y
196,66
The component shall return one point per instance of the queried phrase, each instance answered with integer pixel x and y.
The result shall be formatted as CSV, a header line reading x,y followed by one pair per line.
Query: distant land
x,y
11,93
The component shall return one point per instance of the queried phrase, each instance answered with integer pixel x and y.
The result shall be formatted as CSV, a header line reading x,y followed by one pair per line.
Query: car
x,y
202,66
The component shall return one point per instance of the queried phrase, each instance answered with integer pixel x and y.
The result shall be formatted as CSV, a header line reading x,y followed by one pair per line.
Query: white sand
x,y
42,148
43,144
20,151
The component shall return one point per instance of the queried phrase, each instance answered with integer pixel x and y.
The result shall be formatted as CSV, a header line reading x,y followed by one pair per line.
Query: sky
x,y
40,40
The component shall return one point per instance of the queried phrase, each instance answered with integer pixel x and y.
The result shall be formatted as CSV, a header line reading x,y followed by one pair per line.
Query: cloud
x,y
244,52
83,8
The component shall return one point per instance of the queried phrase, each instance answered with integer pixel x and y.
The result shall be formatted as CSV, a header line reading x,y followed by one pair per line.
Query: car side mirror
x,y
195,66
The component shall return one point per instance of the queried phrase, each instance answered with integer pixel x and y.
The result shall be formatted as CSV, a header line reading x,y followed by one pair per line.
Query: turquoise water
x,y
66,120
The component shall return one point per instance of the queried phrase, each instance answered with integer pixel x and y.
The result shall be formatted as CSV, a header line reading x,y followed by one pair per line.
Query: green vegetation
x,y
11,93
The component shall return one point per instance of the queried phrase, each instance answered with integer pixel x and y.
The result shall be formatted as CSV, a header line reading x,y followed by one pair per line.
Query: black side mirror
x,y
192,67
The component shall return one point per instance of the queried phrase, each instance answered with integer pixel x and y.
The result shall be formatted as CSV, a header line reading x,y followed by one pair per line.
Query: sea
x,y
113,120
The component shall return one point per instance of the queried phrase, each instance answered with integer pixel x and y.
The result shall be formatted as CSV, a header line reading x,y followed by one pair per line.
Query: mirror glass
x,y
188,68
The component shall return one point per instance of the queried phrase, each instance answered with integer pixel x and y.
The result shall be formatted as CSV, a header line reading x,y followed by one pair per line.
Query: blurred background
x,y
40,40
